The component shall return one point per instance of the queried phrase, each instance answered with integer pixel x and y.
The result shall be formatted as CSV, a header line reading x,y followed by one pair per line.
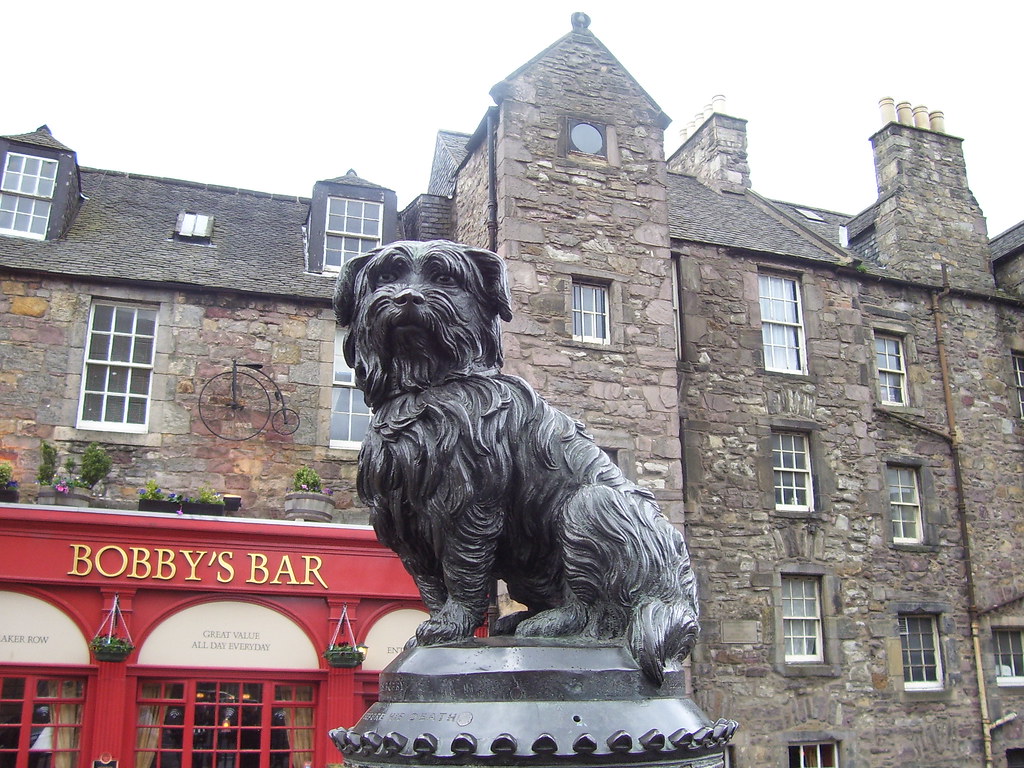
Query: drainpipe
x,y
961,509
492,181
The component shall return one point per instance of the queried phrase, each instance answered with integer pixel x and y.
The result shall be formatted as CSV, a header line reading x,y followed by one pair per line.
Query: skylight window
x,y
810,215
194,225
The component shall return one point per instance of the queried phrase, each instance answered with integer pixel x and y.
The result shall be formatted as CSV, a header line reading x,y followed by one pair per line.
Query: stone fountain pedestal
x,y
511,701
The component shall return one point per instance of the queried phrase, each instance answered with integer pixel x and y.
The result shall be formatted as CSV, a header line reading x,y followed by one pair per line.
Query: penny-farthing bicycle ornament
x,y
238,404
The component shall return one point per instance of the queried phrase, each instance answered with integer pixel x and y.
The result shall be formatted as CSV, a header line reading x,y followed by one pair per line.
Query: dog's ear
x,y
345,289
495,280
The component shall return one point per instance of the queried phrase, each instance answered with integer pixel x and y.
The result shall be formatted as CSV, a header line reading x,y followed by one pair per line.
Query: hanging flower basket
x,y
110,648
107,644
345,656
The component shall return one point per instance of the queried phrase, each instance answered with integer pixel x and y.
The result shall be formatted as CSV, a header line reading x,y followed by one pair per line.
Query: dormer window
x,y
194,226
26,192
353,227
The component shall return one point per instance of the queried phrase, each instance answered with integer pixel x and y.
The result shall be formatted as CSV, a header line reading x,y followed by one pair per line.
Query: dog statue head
x,y
420,314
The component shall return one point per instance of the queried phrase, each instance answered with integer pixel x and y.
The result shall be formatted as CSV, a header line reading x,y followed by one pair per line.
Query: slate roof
x,y
1008,242
353,179
698,213
498,91
40,137
124,231
450,151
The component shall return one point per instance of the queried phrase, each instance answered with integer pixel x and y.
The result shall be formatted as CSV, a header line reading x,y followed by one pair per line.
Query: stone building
x,y
830,405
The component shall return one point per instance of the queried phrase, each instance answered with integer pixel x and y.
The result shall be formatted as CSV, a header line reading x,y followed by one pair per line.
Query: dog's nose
x,y
408,296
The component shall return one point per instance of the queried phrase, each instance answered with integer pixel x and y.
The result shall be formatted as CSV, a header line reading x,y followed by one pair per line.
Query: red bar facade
x,y
229,619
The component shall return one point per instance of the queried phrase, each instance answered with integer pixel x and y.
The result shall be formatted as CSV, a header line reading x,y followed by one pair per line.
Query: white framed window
x,y
782,329
791,465
590,321
814,755
26,190
922,663
350,415
118,372
892,372
1008,645
801,619
353,227
1018,372
904,504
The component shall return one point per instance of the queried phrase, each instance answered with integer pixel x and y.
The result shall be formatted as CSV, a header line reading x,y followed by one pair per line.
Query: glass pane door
x,y
224,724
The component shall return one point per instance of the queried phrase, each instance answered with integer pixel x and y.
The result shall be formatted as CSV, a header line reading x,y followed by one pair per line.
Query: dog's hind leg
x,y
568,619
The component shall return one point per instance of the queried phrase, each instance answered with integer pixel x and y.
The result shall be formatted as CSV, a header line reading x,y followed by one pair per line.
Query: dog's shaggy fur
x,y
471,476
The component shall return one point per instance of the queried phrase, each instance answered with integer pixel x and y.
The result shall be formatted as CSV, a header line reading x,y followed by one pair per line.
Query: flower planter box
x,y
309,507
199,508
158,505
75,497
10,495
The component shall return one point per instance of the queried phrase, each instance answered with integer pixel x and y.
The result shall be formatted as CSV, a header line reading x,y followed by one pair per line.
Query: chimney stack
x,y
714,149
926,217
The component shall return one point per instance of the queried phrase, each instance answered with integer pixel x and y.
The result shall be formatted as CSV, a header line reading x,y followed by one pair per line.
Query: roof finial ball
x,y
580,21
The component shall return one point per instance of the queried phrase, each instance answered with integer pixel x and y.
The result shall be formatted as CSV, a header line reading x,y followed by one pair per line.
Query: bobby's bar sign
x,y
204,566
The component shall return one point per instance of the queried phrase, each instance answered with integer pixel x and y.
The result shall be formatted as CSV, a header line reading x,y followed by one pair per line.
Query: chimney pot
x,y
903,111
718,103
937,121
921,117
887,107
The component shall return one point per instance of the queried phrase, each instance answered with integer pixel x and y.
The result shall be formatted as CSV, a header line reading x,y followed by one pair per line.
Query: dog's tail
x,y
659,632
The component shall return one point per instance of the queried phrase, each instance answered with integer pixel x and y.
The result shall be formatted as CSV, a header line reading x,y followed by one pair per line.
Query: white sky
x,y
274,96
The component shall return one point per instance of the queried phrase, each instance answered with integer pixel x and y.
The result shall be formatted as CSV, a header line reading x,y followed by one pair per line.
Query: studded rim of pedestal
x,y
403,748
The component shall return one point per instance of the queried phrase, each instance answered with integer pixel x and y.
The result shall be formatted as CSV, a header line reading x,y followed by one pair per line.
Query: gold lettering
x,y
164,560
140,556
313,570
284,567
99,558
259,563
80,557
224,561
193,564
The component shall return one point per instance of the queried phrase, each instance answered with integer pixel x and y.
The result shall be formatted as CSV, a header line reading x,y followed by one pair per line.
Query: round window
x,y
587,138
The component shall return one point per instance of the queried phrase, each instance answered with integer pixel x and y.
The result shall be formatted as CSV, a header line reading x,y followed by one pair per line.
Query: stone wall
x,y
742,545
199,334
566,216
428,217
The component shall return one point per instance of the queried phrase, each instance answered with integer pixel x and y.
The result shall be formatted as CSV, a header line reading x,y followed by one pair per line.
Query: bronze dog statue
x,y
470,476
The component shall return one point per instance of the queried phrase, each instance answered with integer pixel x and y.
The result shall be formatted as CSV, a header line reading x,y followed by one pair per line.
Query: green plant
x,y
47,464
207,495
307,479
110,643
152,492
7,475
96,465
345,655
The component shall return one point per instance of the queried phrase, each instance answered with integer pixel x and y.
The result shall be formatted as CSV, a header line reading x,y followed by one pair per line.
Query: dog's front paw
x,y
453,622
